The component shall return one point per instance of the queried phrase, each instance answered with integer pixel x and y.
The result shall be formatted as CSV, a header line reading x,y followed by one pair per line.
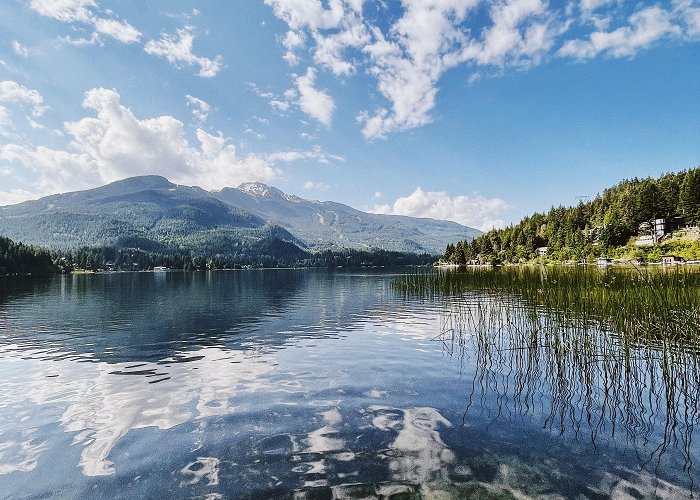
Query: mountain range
x,y
154,214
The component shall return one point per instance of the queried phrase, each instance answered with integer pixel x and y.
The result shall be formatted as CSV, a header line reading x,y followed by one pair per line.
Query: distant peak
x,y
259,189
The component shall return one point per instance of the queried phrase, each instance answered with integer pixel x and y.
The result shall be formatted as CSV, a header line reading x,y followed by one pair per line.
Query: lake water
x,y
314,384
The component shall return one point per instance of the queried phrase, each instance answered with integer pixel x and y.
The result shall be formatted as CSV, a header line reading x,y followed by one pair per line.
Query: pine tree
x,y
689,198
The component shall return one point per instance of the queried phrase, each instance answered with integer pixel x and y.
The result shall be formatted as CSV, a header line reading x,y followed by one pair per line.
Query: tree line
x,y
17,258
589,229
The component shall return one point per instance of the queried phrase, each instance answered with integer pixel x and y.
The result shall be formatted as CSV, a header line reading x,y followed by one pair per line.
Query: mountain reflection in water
x,y
314,384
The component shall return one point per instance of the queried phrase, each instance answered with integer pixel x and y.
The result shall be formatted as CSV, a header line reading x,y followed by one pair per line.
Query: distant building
x,y
542,251
668,225
671,259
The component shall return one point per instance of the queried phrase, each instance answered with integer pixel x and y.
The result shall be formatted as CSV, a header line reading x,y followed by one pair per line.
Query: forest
x,y
605,226
17,258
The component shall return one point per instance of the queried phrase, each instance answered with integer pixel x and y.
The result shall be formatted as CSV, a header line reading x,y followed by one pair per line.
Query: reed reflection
x,y
597,357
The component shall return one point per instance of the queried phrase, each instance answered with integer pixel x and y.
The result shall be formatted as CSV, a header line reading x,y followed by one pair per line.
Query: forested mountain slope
x,y
597,227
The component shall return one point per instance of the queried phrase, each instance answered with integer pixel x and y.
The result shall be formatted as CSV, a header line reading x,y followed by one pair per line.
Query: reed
x,y
594,353
649,305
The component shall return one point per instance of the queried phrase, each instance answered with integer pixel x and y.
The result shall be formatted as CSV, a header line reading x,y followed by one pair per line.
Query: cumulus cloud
x,y
308,13
645,27
474,211
312,101
200,109
409,58
67,11
13,93
177,49
691,17
86,12
119,30
115,144
292,41
409,54
58,171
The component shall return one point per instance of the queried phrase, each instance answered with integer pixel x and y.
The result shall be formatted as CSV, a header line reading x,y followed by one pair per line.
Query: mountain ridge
x,y
151,208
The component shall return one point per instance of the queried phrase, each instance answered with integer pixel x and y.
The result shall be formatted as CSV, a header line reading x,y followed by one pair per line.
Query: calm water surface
x,y
314,384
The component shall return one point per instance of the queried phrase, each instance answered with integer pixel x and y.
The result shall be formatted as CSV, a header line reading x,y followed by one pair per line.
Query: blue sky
x,y
478,111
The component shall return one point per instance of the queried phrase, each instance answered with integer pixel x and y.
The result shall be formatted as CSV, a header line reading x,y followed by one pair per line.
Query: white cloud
x,y
520,32
82,41
408,63
410,52
377,195
34,124
279,105
591,5
119,30
67,11
177,49
409,58
689,11
86,12
474,211
330,49
14,196
292,41
308,13
116,144
645,27
315,154
5,121
58,171
13,92
321,186
20,49
200,109
315,103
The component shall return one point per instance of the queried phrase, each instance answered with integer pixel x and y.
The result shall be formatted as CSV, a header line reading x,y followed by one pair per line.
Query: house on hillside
x,y
667,225
541,251
671,259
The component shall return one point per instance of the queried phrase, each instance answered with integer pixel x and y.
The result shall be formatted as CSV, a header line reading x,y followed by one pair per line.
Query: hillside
x,y
613,224
156,215
147,212
327,224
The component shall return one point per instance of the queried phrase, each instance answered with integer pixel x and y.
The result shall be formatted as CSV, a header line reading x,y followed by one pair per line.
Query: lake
x,y
314,384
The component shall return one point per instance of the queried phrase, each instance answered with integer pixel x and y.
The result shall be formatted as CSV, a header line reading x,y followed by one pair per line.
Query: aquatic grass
x,y
599,352
650,305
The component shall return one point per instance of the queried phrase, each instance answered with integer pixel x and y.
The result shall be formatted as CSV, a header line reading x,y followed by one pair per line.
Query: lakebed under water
x,y
324,384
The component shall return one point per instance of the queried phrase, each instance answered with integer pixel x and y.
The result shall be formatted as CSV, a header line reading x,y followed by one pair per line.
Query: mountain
x,y
147,212
156,215
325,224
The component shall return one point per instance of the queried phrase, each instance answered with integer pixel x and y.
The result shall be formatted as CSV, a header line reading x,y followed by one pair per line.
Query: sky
x,y
477,111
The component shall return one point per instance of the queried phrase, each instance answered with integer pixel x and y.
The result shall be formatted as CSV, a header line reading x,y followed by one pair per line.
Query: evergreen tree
x,y
689,196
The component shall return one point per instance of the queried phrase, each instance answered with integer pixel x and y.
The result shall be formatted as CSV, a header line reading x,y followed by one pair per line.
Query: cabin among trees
x,y
644,208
